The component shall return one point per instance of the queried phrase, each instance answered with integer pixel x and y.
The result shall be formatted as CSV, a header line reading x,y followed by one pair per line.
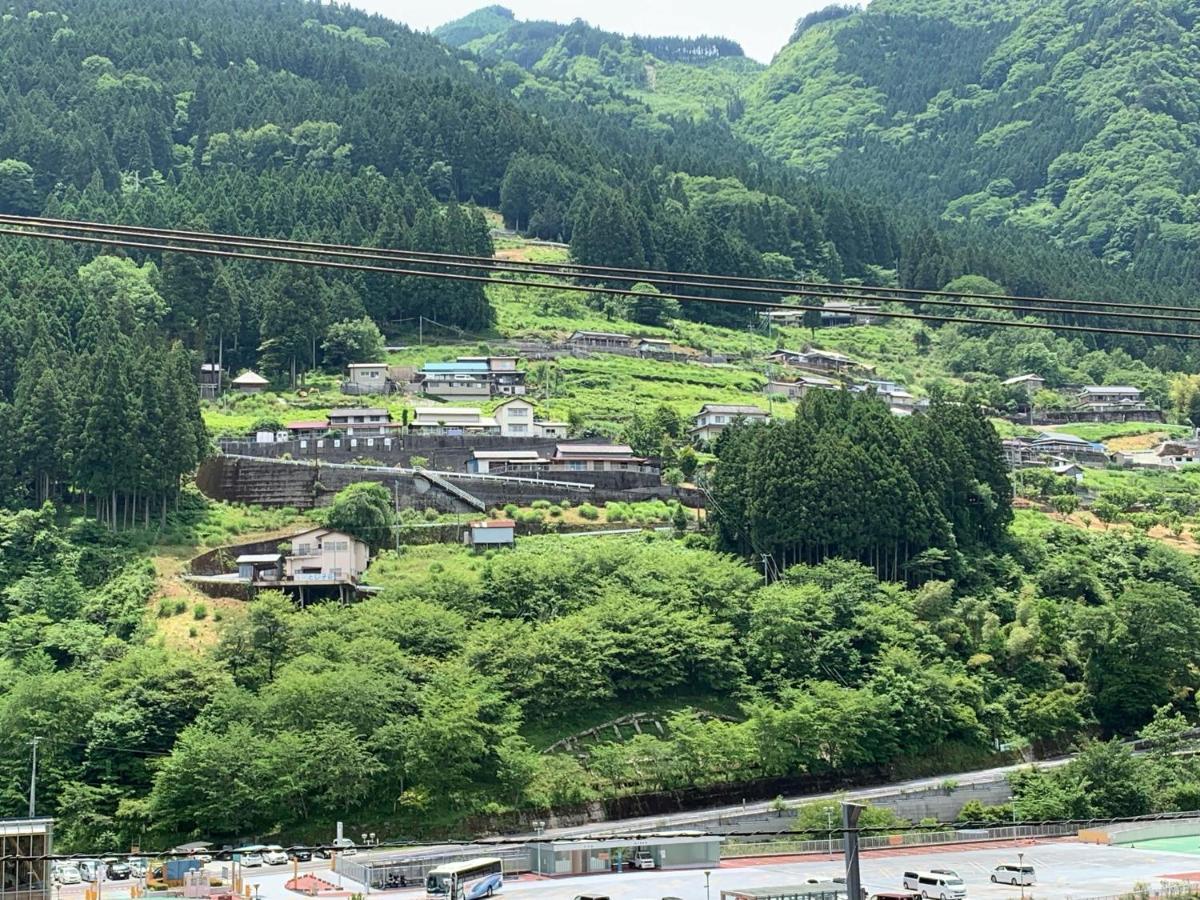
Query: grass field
x,y
1183,844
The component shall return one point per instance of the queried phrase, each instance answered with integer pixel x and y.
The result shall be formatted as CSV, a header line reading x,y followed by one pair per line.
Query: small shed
x,y
250,383
491,533
254,567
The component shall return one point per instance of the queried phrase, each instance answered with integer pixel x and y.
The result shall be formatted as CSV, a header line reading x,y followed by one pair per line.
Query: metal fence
x,y
731,850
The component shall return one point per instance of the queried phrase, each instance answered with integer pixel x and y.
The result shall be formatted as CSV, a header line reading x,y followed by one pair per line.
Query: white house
x,y
367,378
452,420
596,458
714,418
323,555
250,383
361,422
515,418
552,429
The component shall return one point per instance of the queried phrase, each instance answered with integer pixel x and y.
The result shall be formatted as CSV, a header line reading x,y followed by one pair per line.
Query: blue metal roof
x,y
455,368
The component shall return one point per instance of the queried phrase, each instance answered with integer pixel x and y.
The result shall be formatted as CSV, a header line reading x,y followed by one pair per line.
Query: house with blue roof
x,y
471,378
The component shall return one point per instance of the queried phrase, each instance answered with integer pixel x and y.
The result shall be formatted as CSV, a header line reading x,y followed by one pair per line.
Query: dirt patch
x,y
1133,442
180,629
1184,542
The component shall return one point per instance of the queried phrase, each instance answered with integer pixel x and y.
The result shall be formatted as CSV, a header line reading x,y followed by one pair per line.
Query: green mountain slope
x,y
694,77
1077,121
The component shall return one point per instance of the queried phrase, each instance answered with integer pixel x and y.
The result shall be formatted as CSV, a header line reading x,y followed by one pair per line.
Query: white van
x,y
935,886
643,859
1014,875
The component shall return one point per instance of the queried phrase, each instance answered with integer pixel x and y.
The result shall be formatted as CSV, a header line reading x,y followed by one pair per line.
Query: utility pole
x,y
850,814
33,779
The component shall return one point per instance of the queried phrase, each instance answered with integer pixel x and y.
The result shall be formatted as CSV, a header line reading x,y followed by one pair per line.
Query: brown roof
x,y
495,523
306,425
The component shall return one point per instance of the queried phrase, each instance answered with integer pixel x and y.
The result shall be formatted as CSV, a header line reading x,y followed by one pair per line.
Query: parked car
x,y
343,846
250,857
642,859
274,855
299,854
934,886
117,870
1014,875
68,874
225,854
89,869
138,866
896,895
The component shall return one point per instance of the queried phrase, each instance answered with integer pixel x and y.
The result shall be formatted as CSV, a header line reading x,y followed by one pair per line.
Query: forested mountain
x,y
1074,121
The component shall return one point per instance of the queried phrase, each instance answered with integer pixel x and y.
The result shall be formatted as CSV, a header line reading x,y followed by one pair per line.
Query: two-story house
x,y
795,390
361,423
471,378
367,378
323,555
599,340
1097,396
596,458
714,418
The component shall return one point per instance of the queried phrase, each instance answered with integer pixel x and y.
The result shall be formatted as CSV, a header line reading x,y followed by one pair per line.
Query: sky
x,y
762,27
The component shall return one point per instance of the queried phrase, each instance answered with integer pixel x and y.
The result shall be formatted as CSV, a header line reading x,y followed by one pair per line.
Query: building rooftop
x,y
828,354
306,425
365,411
495,523
506,454
1110,389
610,335
259,558
379,365
250,378
593,450
455,368
731,409
1061,438
1021,378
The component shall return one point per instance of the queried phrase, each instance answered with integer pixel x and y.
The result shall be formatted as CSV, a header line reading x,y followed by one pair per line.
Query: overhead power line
x,y
779,287
559,286
684,279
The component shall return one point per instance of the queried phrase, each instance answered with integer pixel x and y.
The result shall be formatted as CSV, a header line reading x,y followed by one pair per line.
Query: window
x,y
518,429
575,465
337,546
303,550
518,412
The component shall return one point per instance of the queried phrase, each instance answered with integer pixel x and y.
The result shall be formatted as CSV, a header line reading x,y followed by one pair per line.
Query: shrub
x,y
218,615
589,512
510,510
200,611
164,608
616,511
180,607
431,514
541,504
192,632
418,462
555,512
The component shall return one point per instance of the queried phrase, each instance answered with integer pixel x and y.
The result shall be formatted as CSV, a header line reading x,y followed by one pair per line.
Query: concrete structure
x,y
249,383
452,420
254,567
1178,452
23,875
552,429
485,462
368,378
1029,384
490,533
668,849
795,390
599,340
714,418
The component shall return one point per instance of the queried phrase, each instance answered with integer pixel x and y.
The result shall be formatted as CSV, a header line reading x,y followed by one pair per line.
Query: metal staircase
x,y
452,489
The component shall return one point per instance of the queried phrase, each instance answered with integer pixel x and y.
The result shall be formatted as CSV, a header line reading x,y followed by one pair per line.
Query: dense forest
x,y
1075,122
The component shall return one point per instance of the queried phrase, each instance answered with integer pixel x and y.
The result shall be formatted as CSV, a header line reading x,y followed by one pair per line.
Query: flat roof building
x,y
669,849
25,845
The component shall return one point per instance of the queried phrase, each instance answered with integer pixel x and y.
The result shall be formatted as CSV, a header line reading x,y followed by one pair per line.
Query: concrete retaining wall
x,y
269,482
1150,831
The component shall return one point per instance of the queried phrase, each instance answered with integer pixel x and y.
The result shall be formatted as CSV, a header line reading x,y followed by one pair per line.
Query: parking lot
x,y
1065,871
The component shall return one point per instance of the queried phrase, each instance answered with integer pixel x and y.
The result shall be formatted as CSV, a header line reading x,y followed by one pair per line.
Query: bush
x,y
589,512
192,632
616,511
418,462
555,512
200,612
431,514
218,615
541,504
180,607
510,510
165,608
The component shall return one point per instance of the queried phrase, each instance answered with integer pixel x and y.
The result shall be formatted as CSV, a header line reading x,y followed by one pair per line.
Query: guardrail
x,y
733,850
399,470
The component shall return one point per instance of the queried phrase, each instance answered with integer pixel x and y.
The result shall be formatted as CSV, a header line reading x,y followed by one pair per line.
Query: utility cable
x,y
570,270
480,279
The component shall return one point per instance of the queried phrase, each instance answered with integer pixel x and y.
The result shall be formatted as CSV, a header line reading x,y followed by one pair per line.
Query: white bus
x,y
475,878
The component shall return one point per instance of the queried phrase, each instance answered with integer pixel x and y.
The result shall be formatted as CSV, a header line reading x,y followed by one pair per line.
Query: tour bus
x,y
476,878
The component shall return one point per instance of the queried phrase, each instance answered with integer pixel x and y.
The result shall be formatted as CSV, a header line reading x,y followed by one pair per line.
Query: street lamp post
x,y
1021,872
707,894
829,830
538,827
